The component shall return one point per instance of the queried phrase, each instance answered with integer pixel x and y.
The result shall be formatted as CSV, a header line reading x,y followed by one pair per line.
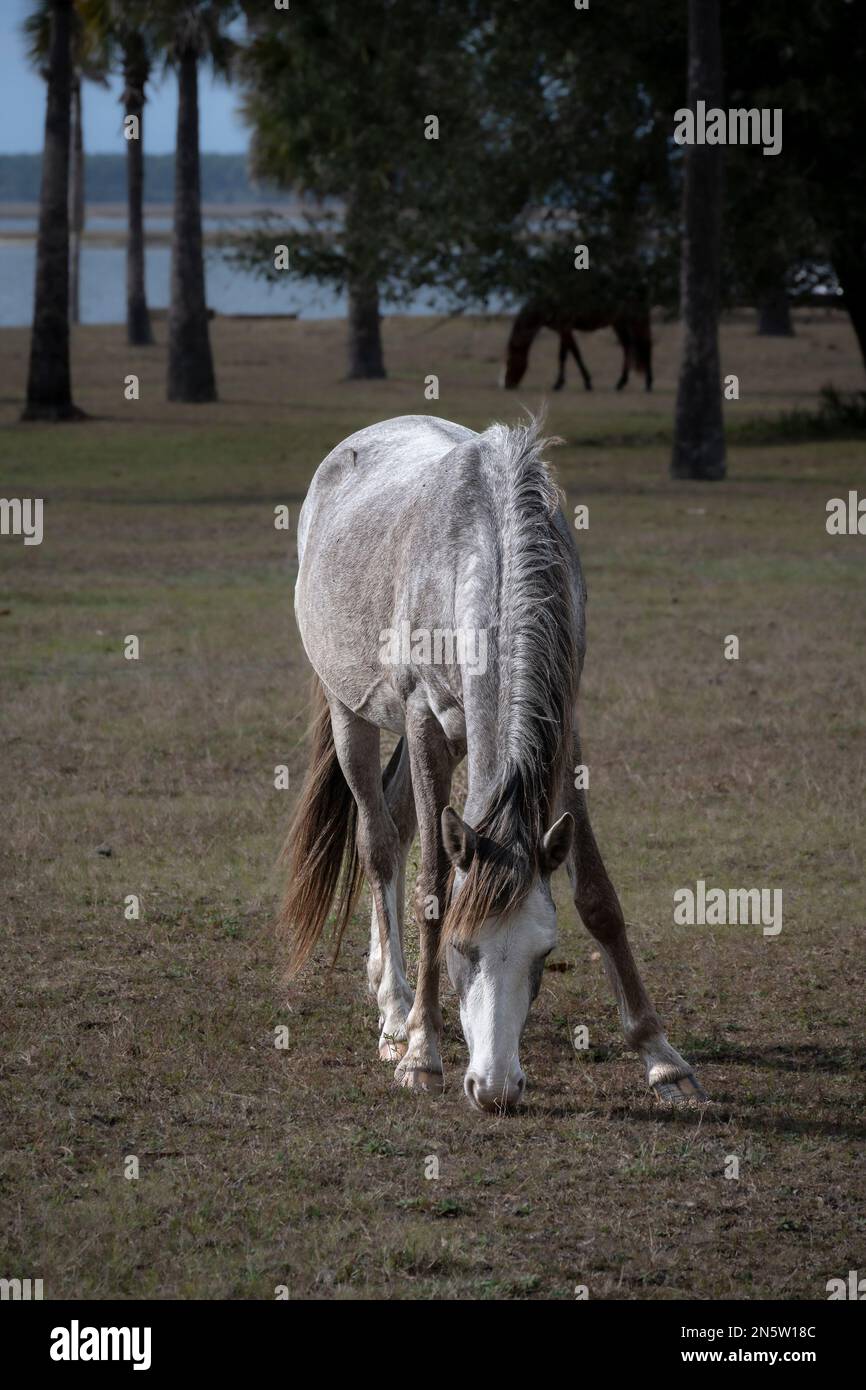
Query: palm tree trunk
x,y
136,73
190,364
699,438
49,388
76,203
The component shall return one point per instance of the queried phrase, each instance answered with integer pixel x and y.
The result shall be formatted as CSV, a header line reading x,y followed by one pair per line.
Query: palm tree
x,y
699,438
192,31
49,388
37,29
126,32
137,59
90,58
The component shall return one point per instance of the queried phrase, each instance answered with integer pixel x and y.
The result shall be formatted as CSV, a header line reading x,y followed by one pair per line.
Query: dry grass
x,y
304,1166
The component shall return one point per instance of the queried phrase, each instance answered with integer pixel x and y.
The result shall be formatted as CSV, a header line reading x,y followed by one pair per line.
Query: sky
x,y
22,104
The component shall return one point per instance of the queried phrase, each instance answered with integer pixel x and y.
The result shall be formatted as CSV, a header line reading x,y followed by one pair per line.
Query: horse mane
x,y
537,661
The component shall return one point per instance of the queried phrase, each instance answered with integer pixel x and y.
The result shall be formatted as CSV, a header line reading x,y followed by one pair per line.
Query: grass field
x,y
305,1166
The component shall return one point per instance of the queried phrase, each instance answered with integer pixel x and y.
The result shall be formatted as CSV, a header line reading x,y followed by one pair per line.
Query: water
x,y
103,280
153,222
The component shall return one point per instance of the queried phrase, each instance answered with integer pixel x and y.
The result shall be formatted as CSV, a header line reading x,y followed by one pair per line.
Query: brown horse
x,y
630,324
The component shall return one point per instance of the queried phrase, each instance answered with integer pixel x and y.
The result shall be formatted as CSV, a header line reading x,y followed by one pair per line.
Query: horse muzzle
x,y
495,1096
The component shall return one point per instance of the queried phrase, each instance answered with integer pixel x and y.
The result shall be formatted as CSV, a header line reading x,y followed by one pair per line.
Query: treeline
x,y
225,179
457,147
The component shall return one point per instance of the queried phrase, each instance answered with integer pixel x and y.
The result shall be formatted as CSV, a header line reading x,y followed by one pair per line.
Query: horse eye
x,y
469,953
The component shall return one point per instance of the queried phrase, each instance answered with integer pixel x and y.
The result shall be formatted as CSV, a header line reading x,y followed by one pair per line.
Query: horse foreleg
x,y
571,345
432,766
670,1075
386,976
563,353
381,837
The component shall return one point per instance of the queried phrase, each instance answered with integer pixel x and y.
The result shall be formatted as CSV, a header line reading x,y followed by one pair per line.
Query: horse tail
x,y
321,847
527,323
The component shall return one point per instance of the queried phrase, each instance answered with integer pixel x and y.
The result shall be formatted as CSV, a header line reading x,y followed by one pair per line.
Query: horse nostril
x,y
494,1099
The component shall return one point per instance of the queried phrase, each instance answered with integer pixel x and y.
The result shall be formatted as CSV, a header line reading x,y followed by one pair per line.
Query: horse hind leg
x,y
669,1075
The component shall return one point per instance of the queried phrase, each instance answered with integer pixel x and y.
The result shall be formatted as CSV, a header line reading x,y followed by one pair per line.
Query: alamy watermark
x,y
439,646
846,516
737,126
853,1288
717,907
22,516
20,1290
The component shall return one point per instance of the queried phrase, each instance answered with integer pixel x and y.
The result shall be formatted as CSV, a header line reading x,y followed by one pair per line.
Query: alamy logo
x,y
441,646
77,1343
713,907
22,516
735,127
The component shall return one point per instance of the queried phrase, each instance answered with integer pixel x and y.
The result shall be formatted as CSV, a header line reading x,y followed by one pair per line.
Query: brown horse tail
x,y
320,849
529,321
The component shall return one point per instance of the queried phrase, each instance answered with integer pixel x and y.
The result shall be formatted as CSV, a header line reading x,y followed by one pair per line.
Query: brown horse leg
x,y
624,338
563,353
432,766
669,1074
571,343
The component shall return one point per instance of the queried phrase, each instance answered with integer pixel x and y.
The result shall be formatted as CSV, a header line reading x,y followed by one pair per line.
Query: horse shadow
x,y
728,1106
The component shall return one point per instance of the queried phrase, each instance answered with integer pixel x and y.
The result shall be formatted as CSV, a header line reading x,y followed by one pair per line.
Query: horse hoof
x,y
687,1090
420,1079
392,1049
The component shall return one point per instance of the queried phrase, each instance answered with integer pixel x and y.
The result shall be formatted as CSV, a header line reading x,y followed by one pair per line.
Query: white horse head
x,y
497,972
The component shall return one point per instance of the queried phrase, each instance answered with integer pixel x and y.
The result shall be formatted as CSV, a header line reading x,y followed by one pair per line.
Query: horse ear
x,y
458,838
556,843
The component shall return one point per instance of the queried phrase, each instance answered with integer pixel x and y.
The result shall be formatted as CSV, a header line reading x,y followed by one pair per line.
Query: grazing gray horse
x,y
440,597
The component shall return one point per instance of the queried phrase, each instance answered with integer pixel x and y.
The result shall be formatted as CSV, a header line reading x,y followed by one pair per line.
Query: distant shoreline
x,y
154,236
113,208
